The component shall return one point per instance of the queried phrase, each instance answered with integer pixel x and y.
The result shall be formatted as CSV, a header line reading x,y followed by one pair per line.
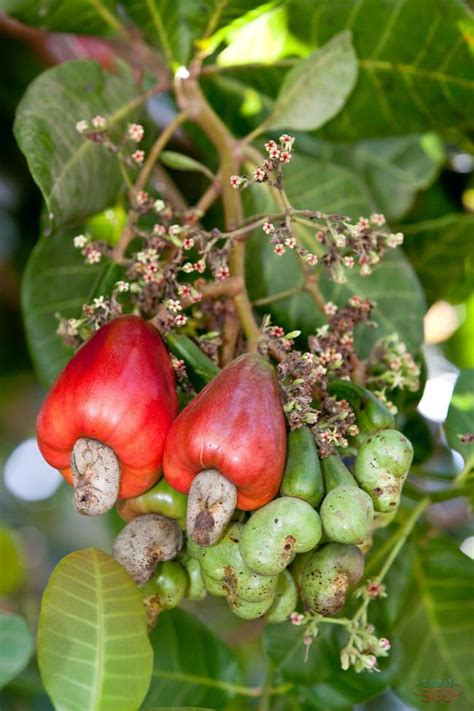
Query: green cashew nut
x,y
285,599
224,564
328,575
347,515
302,478
214,587
196,588
164,591
382,465
276,532
250,610
335,473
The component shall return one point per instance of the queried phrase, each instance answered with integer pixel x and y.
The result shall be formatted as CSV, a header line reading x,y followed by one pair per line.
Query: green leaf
x,y
180,161
177,25
191,664
322,682
316,89
93,649
437,625
442,248
460,418
16,646
12,569
415,66
87,18
57,280
77,177
393,286
394,170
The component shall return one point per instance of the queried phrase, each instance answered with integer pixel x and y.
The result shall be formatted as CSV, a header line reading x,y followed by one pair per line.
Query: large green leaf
x,y
323,684
192,666
441,252
57,280
16,646
436,627
393,169
176,25
87,18
10,557
316,89
393,286
460,418
93,649
415,66
76,177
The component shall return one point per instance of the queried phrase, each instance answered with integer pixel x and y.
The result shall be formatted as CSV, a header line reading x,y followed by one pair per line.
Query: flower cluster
x,y
270,170
363,649
97,131
390,366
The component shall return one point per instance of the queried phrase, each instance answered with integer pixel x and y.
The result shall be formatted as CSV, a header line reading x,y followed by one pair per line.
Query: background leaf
x,y
76,177
57,280
77,16
16,646
404,86
93,648
12,571
441,252
191,664
436,640
393,285
180,161
460,418
316,89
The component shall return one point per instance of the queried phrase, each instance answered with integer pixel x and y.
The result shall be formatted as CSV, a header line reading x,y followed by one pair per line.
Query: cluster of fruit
x,y
245,510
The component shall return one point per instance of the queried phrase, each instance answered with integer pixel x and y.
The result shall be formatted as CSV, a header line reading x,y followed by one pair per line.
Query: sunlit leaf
x,y
460,418
93,648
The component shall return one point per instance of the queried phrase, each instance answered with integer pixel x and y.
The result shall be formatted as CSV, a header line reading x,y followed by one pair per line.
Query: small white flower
x,y
174,230
394,240
180,320
330,308
259,175
279,249
188,243
311,259
222,272
80,241
99,122
173,305
135,132
159,205
268,228
235,181
82,126
377,219
93,256
138,156
99,302
122,286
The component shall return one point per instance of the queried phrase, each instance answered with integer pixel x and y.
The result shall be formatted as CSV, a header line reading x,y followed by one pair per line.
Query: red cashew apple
x,y
104,421
227,448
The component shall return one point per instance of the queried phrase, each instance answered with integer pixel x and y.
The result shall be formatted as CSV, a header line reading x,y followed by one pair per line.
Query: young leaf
x,y
436,626
93,648
192,666
16,646
57,280
77,177
316,89
180,161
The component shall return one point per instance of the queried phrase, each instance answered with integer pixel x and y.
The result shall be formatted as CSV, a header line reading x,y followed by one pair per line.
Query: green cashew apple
x,y
335,473
285,599
276,532
214,587
196,588
382,465
347,515
165,590
329,573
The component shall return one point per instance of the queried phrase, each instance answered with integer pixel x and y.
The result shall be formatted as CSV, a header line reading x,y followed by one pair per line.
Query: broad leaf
x,y
393,169
76,177
93,648
16,646
57,280
323,683
415,67
393,286
192,666
180,161
436,627
316,89
176,26
440,251
87,18
12,570
460,418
